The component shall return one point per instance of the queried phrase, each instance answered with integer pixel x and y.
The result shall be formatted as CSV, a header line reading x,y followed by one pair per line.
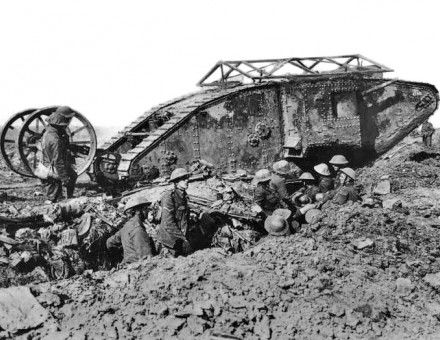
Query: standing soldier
x,y
57,156
427,132
135,241
173,228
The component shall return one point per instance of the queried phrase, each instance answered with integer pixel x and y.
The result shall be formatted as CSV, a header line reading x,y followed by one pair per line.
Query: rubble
x,y
19,310
359,271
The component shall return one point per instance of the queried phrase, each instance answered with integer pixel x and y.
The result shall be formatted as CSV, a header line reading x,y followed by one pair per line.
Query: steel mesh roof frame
x,y
251,71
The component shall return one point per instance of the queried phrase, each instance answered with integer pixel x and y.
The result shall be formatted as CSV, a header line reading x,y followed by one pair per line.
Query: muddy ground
x,y
365,271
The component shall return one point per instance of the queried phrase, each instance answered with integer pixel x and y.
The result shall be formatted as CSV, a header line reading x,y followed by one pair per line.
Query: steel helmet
x,y
276,225
322,169
338,160
262,175
65,111
301,200
284,213
281,167
306,175
58,119
136,201
349,172
178,174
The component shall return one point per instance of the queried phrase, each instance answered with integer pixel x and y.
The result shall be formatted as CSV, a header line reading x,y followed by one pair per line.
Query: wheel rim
x,y
81,134
8,137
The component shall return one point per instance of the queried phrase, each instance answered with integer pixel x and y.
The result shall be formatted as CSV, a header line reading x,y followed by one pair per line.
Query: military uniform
x,y
174,222
55,145
136,243
311,191
278,184
427,132
268,199
346,193
326,184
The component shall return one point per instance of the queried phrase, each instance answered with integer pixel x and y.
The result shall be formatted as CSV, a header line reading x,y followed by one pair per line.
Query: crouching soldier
x,y
308,186
173,228
326,182
281,170
347,191
284,222
136,244
337,162
265,196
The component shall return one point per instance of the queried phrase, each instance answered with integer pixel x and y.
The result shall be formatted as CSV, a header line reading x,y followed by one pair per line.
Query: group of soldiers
x,y
285,212
282,212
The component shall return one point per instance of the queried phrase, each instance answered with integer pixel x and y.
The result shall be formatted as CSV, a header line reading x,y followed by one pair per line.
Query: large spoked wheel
x,y
81,134
8,137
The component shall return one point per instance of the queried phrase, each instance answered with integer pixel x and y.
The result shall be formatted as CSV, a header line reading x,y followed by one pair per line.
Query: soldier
x,y
281,170
57,156
173,228
347,191
266,197
337,162
326,183
427,132
309,188
135,241
277,224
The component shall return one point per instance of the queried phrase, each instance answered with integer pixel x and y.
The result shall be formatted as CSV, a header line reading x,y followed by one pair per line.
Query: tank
x,y
251,113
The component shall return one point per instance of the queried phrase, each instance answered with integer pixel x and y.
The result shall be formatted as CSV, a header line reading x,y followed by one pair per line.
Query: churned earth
x,y
363,271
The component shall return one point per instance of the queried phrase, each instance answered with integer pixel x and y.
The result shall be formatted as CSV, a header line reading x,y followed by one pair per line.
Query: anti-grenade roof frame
x,y
252,71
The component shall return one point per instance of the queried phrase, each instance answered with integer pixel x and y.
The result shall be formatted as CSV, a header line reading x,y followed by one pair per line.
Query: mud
x,y
364,271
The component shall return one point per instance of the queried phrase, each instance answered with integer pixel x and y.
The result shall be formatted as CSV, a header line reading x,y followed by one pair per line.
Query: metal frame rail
x,y
253,71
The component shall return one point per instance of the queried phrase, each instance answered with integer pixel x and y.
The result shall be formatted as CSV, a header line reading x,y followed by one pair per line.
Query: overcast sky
x,y
113,60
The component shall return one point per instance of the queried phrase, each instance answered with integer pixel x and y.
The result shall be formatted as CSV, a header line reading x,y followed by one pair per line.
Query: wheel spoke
x,y
32,132
78,130
42,121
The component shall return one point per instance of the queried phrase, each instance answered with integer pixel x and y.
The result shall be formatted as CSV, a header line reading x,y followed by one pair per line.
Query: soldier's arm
x,y
353,195
258,197
114,241
282,190
142,244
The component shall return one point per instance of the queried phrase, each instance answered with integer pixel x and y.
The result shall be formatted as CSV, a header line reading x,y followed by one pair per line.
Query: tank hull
x,y
249,127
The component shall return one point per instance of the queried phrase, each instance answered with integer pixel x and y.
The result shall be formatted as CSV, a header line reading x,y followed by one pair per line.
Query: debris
x,y
49,299
404,286
433,280
389,203
383,187
363,243
19,310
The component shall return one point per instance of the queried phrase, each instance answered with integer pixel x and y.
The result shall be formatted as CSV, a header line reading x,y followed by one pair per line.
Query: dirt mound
x,y
362,271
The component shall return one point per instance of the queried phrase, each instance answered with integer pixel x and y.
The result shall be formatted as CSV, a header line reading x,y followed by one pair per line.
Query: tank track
x,y
181,109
